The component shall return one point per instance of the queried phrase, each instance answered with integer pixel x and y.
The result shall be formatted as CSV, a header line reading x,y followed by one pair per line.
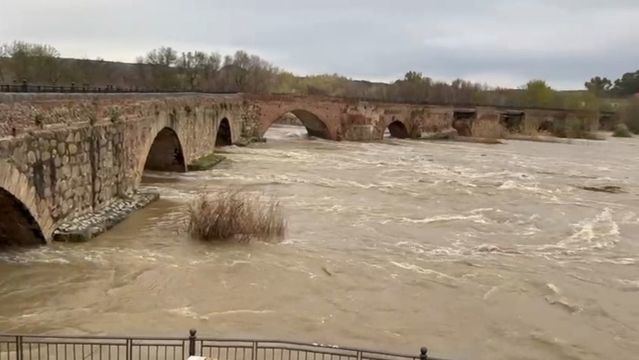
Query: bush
x,y
621,130
235,215
488,129
630,116
576,128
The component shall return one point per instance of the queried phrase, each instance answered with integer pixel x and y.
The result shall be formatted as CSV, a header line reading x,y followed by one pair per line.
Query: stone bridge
x,y
65,155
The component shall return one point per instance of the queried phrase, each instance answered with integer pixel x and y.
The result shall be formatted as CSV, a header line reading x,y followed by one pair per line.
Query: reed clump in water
x,y
236,215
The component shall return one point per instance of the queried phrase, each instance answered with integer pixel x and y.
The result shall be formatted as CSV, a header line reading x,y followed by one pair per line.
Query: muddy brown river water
x,y
478,251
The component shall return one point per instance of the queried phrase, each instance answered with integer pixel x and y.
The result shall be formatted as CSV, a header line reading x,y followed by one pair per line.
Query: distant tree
x,y
198,67
163,76
165,56
538,94
414,87
32,62
599,86
628,84
413,76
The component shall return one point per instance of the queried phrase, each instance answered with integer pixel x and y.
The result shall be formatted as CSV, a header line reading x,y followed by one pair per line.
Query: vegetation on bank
x,y
621,130
166,69
630,115
236,215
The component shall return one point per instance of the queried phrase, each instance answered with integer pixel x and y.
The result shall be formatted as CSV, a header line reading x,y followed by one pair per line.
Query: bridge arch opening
x,y
463,121
512,120
166,153
312,123
546,126
223,137
17,226
397,129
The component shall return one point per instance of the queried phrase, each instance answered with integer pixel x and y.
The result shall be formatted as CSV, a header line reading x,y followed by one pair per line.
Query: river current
x,y
476,251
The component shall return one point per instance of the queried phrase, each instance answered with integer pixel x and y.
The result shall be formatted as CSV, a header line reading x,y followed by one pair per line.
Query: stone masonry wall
x,y
96,151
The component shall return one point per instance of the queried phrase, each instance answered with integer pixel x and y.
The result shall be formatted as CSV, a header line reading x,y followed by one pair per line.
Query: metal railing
x,y
46,347
25,87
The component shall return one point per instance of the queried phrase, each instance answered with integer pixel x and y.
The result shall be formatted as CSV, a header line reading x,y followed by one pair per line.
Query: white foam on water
x,y
490,292
421,270
238,311
599,232
628,285
187,311
477,218
554,288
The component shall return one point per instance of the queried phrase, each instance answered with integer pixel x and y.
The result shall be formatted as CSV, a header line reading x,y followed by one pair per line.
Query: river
x,y
477,251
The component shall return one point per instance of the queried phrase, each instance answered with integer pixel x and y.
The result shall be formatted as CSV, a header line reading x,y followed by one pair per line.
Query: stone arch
x,y
224,135
463,121
398,130
314,125
24,219
165,153
546,125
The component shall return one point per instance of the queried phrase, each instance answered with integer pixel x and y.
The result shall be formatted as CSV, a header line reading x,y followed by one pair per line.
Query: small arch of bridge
x,y
24,219
398,129
314,124
165,153
224,133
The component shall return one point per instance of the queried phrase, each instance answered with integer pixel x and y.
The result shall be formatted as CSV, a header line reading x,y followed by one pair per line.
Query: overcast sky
x,y
498,42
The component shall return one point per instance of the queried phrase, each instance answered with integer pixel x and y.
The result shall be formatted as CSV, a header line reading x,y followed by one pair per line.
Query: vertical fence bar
x,y
423,353
192,338
18,347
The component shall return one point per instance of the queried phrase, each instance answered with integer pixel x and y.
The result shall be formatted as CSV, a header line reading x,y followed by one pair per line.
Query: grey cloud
x,y
499,42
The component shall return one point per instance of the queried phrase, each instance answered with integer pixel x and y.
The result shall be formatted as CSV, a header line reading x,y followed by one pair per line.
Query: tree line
x,y
626,85
165,68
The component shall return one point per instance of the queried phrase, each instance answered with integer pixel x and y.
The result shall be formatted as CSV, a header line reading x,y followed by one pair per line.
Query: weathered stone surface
x,y
88,226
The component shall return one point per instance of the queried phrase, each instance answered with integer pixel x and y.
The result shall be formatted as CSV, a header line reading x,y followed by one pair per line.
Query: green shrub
x,y
621,130
576,127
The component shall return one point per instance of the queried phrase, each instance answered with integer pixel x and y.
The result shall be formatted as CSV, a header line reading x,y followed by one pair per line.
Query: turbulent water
x,y
477,251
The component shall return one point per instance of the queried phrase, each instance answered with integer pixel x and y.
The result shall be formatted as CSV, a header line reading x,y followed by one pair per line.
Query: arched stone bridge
x,y
63,155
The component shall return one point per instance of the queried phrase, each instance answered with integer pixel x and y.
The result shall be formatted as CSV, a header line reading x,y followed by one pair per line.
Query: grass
x,y
488,129
236,215
621,130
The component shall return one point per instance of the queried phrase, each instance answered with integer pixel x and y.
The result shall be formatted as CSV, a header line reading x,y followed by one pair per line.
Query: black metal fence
x,y
25,87
45,347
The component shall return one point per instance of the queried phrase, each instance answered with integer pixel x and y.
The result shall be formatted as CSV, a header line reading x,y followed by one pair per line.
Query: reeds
x,y
236,215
